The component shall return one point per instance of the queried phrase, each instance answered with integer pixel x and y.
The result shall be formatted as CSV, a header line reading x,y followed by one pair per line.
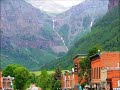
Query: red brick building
x,y
76,61
6,82
105,68
1,80
70,79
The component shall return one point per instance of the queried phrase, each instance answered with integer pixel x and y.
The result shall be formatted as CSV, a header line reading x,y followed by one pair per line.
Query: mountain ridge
x,y
104,34
78,20
28,37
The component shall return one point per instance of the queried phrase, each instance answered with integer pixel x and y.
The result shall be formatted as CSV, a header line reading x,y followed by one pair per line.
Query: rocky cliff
x,y
27,36
113,3
73,24
25,26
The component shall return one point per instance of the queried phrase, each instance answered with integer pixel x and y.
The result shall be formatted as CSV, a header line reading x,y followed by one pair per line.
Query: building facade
x,y
6,83
1,84
105,69
71,80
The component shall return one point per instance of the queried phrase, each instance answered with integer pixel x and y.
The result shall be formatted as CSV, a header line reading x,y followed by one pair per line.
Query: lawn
x,y
37,73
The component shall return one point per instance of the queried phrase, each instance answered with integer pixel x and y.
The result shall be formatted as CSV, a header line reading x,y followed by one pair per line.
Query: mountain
x,y
32,38
112,4
104,33
78,20
27,36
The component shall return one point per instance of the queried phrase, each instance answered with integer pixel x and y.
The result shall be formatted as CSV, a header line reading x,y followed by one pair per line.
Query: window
x,y
68,82
99,72
94,73
76,67
91,73
118,83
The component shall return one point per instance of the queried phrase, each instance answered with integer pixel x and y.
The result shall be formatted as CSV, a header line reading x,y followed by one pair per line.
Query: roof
x,y
79,55
97,55
93,57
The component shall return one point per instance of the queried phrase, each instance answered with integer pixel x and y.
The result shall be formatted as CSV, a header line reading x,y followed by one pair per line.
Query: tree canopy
x,y
56,79
85,64
21,75
9,70
44,80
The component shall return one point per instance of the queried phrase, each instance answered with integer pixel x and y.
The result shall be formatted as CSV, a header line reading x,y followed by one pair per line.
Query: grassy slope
x,y
33,59
37,73
104,33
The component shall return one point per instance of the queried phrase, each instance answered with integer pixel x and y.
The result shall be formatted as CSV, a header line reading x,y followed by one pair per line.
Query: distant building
x,y
71,80
77,60
33,87
1,84
6,83
105,69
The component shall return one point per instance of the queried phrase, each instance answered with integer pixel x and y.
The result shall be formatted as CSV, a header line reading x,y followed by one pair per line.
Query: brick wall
x,y
96,66
110,59
106,60
0,79
115,76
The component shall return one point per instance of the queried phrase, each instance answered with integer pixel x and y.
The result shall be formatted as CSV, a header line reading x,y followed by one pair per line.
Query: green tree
x,y
44,80
9,70
33,78
57,85
85,69
22,77
56,76
94,50
85,64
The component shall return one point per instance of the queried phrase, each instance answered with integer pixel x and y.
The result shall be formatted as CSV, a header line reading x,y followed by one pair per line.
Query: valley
x,y
33,38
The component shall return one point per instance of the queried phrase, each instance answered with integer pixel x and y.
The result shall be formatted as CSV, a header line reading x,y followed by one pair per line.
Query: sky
x,y
68,3
54,6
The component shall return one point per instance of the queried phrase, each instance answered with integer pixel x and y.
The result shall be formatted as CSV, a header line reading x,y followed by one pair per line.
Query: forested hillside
x,y
105,33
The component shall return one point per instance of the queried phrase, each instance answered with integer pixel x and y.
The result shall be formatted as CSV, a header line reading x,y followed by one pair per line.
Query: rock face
x,y
27,36
24,26
113,3
73,24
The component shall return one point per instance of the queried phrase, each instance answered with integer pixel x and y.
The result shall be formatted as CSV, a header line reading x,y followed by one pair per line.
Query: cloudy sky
x,y
54,6
68,3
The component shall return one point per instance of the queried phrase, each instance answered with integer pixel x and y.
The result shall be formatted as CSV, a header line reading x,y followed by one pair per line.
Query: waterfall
x,y
91,24
59,35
